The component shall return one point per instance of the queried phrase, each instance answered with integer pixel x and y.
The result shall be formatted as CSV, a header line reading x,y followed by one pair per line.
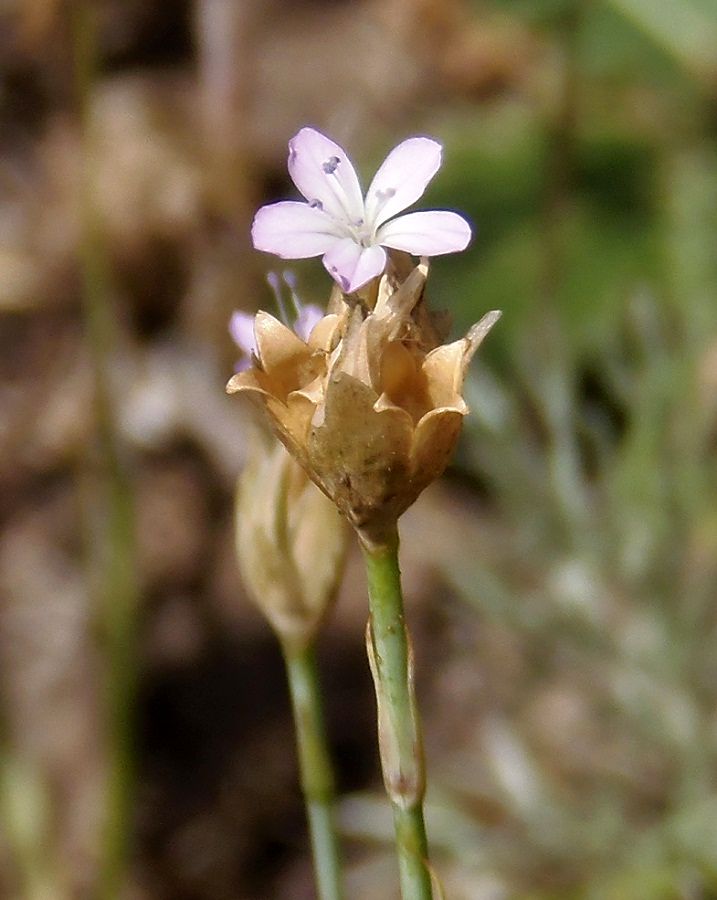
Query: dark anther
x,y
331,165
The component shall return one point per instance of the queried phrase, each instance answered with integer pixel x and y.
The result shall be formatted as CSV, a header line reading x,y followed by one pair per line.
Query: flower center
x,y
362,233
359,230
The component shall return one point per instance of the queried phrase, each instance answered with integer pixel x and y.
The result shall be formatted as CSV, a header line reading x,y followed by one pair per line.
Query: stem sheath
x,y
399,731
317,777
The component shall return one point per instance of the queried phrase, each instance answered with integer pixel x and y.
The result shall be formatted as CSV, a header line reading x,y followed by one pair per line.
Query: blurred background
x,y
561,579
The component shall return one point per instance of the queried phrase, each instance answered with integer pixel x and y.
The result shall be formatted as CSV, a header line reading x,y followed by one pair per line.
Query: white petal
x,y
402,178
352,265
426,233
293,230
323,173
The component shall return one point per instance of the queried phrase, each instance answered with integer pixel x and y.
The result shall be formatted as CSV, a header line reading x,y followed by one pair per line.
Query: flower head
x,y
349,230
370,402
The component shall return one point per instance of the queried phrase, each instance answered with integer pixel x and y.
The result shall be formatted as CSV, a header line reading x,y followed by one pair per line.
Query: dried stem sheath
x,y
399,730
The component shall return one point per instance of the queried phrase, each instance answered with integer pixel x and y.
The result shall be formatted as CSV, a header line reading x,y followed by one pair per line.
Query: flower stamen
x,y
385,194
331,165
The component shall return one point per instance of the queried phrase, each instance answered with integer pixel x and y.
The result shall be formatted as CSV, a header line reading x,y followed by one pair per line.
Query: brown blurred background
x,y
560,580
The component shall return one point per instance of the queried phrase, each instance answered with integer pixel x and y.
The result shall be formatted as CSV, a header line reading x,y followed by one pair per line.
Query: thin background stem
x,y
112,550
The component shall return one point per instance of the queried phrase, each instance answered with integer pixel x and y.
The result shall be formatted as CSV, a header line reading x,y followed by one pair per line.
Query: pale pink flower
x,y
349,230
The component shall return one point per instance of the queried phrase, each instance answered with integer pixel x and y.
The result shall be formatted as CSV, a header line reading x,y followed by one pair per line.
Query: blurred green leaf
x,y
687,29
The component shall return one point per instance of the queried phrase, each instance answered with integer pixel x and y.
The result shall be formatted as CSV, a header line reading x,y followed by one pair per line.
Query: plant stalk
x,y
399,731
112,538
317,777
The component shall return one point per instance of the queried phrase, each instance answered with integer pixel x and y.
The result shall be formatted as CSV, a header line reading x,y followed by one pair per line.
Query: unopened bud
x,y
291,542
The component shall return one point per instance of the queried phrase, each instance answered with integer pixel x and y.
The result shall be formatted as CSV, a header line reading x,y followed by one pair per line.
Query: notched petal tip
x,y
352,266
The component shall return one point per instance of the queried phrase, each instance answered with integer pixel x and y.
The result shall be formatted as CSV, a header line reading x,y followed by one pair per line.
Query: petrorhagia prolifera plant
x,y
368,401
291,543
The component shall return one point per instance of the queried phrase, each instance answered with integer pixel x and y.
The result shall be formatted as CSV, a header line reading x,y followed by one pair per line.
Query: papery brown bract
x,y
291,542
371,404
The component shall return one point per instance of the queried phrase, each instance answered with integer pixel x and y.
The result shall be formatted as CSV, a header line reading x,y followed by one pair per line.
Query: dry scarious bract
x,y
291,543
371,404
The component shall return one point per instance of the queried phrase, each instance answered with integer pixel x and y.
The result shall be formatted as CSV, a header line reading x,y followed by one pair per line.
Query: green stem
x,y
399,730
317,777
25,816
112,533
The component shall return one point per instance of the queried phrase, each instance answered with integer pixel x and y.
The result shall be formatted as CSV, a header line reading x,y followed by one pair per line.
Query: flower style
x,y
370,402
351,231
